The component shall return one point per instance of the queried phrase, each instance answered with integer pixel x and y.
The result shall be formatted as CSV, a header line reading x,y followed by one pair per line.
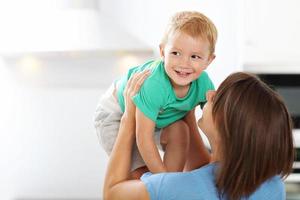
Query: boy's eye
x,y
175,53
196,57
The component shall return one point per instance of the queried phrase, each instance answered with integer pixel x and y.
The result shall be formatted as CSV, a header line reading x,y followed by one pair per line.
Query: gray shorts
x,y
107,121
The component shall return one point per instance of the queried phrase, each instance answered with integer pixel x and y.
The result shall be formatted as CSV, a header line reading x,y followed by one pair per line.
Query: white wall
x,y
272,33
6,139
48,145
55,150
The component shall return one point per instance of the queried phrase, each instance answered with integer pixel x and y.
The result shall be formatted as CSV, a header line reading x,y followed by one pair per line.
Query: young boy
x,y
166,101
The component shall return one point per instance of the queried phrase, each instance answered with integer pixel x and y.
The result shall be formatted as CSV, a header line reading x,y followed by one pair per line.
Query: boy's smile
x,y
182,72
185,57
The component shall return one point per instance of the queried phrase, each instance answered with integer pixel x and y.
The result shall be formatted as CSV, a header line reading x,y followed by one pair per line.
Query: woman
x,y
250,133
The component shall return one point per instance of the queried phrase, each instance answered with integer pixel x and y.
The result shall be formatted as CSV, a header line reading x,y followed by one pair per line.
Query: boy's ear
x,y
210,59
162,50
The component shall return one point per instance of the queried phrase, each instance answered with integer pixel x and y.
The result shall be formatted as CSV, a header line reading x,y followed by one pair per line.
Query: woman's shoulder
x,y
195,184
206,170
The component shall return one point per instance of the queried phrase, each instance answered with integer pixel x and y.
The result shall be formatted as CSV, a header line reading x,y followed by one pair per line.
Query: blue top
x,y
200,184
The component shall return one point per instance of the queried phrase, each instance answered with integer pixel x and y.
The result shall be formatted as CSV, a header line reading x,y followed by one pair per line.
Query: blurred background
x,y
58,56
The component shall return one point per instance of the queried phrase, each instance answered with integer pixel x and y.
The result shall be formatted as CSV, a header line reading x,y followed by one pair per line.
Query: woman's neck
x,y
214,158
215,155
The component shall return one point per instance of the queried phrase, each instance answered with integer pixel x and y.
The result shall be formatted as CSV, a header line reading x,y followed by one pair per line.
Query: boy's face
x,y
185,58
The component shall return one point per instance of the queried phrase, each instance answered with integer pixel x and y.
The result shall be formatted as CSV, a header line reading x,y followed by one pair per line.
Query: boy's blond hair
x,y
194,24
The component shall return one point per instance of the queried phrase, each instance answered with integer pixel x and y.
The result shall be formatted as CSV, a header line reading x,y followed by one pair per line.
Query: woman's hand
x,y
132,87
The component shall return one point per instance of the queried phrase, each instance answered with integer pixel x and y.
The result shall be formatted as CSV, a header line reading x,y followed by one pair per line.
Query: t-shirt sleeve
x,y
270,189
210,85
153,184
206,84
176,185
150,99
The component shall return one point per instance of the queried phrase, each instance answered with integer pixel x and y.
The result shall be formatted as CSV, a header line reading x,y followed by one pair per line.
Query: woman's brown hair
x,y
255,132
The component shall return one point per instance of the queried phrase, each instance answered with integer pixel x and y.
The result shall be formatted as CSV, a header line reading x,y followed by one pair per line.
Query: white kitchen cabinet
x,y
271,33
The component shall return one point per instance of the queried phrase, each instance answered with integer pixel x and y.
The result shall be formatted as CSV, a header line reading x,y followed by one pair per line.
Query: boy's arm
x,y
146,145
198,155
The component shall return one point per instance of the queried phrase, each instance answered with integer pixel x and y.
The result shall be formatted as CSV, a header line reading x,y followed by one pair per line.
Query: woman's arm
x,y
117,184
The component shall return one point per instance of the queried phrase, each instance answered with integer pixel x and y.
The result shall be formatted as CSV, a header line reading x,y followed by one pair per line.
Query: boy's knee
x,y
177,132
178,125
181,129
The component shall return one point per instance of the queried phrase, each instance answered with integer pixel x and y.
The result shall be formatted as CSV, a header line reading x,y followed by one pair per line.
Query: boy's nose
x,y
185,62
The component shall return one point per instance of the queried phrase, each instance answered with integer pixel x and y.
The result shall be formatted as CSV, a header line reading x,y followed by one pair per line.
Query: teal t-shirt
x,y
157,99
200,184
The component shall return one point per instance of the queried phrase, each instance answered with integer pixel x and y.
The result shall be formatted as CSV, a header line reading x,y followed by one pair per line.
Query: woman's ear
x,y
162,51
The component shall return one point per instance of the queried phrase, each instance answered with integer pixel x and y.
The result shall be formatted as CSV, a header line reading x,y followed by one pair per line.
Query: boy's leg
x,y
175,141
137,173
107,120
198,154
